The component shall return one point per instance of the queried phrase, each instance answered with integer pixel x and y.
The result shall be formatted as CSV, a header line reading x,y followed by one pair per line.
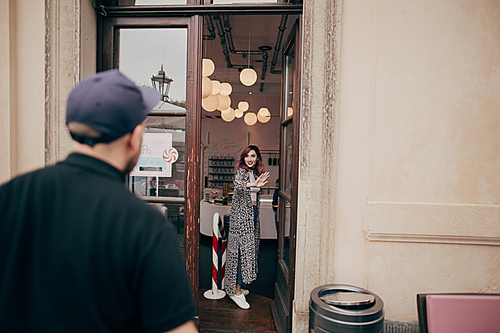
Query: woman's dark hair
x,y
259,166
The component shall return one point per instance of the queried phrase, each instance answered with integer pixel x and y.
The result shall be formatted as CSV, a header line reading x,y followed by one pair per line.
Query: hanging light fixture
x,y
161,82
210,103
225,89
248,77
228,114
263,115
215,87
238,113
243,106
250,118
208,67
263,112
223,102
264,119
206,87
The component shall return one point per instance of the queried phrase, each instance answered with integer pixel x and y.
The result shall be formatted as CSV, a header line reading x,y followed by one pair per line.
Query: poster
x,y
157,156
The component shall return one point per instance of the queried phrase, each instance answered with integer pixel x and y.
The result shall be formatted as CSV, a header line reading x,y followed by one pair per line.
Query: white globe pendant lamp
x,y
225,89
210,103
206,87
263,115
263,119
228,114
238,113
243,106
208,67
224,102
215,87
263,112
248,77
250,118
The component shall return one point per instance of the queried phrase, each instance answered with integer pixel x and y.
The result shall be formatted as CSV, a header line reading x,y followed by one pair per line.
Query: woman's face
x,y
251,159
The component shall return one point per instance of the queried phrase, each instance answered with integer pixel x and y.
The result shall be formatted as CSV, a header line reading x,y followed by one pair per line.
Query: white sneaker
x,y
245,291
240,301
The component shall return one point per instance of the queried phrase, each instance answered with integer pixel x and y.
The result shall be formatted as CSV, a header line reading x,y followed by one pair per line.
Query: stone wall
x,y
407,201
46,48
22,82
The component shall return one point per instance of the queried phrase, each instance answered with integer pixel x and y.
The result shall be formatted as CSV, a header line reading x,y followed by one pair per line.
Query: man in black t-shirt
x,y
78,251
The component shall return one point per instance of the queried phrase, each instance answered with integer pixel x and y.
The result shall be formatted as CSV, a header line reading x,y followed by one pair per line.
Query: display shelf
x,y
220,170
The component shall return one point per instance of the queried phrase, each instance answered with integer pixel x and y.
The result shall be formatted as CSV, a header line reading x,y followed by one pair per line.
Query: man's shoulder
x,y
28,176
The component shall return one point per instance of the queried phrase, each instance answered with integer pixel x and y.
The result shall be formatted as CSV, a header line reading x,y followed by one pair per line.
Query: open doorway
x,y
234,43
203,139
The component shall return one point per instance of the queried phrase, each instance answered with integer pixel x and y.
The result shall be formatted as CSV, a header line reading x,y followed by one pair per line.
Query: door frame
x,y
107,51
190,16
281,308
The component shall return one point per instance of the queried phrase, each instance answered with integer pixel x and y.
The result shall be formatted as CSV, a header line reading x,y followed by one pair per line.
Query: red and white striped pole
x,y
222,232
215,293
223,264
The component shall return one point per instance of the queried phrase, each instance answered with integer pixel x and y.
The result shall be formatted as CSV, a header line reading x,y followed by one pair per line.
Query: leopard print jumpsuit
x,y
243,237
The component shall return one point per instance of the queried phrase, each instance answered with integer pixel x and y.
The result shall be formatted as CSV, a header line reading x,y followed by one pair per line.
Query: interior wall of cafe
x,y
414,150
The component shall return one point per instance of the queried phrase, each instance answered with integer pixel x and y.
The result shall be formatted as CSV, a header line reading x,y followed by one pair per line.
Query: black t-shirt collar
x,y
95,165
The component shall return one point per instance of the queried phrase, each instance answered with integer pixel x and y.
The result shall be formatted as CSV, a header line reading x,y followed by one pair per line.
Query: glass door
x,y
159,176
163,53
287,217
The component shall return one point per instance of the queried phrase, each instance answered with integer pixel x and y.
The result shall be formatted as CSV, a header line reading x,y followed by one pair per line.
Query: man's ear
x,y
135,140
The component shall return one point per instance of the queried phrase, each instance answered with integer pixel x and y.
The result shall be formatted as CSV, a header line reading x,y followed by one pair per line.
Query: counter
x,y
267,225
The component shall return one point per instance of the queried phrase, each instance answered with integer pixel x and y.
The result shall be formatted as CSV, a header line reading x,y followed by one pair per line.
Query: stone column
x,y
317,152
7,103
22,86
70,39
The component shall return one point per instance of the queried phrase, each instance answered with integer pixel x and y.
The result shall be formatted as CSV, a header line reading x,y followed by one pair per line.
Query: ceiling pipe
x,y
223,28
223,42
277,47
210,27
243,53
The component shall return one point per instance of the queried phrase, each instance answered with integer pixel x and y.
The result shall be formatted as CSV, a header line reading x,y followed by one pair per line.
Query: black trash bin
x,y
345,309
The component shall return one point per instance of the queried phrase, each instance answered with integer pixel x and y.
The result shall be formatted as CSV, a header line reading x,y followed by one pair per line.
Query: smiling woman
x,y
244,225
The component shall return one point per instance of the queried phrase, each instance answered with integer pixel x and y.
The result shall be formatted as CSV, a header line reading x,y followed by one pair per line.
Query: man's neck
x,y
100,154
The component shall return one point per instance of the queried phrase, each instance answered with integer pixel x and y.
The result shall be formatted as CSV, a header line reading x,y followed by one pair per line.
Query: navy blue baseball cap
x,y
109,103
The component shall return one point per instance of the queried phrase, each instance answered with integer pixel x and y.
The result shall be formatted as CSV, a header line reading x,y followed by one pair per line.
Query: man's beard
x,y
131,163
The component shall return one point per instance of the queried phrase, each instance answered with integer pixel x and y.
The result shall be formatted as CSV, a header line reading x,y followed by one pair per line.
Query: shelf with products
x,y
220,170
219,183
221,161
217,177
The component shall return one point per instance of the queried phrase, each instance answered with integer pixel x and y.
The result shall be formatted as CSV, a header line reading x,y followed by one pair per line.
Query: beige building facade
x,y
399,157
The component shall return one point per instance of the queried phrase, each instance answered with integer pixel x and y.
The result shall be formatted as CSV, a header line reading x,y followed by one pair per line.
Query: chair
x,y
458,312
